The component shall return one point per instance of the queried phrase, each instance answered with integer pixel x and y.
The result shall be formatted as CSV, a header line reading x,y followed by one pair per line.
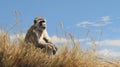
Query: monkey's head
x,y
40,23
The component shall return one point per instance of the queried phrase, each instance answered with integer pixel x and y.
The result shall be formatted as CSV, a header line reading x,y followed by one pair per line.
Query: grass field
x,y
16,53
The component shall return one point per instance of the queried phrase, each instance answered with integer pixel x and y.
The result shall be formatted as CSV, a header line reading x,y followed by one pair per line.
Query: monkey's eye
x,y
42,21
40,24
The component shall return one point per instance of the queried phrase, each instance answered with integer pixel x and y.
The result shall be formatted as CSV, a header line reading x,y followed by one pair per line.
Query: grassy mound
x,y
18,54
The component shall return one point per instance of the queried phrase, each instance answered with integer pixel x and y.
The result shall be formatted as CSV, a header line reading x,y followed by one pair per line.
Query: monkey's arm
x,y
46,37
38,40
40,44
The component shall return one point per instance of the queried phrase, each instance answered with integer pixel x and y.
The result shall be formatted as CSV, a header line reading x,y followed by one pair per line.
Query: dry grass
x,y
18,54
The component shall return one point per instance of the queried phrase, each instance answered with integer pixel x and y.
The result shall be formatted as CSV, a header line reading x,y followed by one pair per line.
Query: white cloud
x,y
108,53
106,43
56,39
111,42
17,36
106,18
102,22
85,23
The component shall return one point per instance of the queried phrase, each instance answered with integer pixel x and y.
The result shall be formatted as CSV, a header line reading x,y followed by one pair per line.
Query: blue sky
x,y
77,16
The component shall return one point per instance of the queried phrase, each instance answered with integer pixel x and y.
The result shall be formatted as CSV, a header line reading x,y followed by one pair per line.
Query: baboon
x,y
37,35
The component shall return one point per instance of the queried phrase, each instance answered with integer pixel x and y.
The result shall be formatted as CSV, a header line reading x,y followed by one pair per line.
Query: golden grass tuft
x,y
20,54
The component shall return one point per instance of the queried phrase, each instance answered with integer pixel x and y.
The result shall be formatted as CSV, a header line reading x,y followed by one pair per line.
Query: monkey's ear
x,y
34,21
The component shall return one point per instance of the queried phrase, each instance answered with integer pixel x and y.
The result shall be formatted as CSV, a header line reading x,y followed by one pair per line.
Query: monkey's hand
x,y
51,47
54,51
54,48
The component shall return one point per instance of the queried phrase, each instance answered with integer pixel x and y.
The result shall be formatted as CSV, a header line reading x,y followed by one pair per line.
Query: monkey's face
x,y
40,24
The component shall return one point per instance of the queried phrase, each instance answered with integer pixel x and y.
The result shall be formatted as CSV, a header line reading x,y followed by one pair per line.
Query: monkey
x,y
37,35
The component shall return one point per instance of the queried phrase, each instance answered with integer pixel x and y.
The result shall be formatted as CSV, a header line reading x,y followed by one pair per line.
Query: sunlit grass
x,y
16,53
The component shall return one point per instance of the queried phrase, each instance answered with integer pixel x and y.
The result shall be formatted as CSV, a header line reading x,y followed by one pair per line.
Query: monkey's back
x,y
31,37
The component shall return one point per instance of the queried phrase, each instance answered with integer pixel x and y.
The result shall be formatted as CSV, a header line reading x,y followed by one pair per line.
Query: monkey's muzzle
x,y
43,25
